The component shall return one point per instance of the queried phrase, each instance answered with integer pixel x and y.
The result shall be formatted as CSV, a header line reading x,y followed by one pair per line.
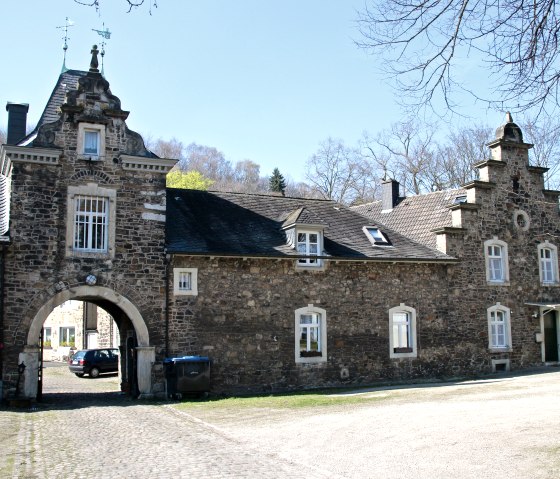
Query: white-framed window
x,y
90,228
496,257
499,328
91,141
402,332
185,281
548,263
91,220
310,335
67,336
47,337
308,243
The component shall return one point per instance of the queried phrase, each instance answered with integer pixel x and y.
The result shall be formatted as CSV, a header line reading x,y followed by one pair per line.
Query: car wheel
x,y
80,375
93,373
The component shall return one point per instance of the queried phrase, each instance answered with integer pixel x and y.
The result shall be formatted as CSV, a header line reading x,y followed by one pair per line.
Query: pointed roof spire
x,y
69,23
509,118
94,62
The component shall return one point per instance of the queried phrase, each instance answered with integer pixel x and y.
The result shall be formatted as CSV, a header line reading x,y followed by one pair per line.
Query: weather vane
x,y
106,34
69,23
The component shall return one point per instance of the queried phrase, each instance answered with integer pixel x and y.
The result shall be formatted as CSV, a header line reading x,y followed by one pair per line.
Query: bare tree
x,y
165,148
464,147
406,152
333,170
301,190
545,136
423,42
209,161
3,136
131,4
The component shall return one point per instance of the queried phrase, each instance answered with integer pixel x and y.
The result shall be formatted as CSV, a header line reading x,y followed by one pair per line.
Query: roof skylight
x,y
376,236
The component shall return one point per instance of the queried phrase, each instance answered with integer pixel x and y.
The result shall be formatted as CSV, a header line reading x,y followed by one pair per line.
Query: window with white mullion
x,y
310,335
547,266
91,221
498,329
401,330
308,244
185,281
310,339
495,260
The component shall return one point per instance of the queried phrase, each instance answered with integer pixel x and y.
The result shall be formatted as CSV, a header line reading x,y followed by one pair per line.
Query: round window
x,y
521,220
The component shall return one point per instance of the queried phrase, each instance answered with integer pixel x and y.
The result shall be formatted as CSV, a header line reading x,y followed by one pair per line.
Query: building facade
x,y
281,293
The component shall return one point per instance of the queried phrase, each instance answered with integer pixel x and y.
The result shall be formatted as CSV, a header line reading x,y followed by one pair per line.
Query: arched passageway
x,y
119,307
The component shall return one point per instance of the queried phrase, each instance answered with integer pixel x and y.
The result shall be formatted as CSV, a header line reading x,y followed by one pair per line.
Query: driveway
x,y
505,426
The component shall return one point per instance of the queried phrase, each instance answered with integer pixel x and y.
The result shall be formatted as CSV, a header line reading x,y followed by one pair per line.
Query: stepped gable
x,y
241,224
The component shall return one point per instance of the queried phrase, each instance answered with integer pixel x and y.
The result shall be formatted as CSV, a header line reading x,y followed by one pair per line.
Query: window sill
x,y
550,285
76,253
395,355
310,267
310,354
311,359
90,157
402,350
497,283
506,349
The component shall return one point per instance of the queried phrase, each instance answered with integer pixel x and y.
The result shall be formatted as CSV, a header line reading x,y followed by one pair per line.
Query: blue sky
x,y
265,81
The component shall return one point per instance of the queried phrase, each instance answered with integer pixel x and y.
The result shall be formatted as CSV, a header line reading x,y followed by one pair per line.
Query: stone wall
x,y
508,187
243,318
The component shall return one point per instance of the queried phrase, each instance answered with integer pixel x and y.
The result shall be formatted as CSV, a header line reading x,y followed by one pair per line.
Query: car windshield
x,y
80,354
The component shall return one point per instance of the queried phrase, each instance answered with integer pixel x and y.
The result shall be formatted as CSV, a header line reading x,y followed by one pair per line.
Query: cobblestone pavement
x,y
501,427
91,431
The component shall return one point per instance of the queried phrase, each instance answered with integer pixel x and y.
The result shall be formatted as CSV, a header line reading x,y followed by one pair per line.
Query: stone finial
x,y
94,62
509,131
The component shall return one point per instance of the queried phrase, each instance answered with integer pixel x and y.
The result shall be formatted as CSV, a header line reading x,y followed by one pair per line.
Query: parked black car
x,y
94,362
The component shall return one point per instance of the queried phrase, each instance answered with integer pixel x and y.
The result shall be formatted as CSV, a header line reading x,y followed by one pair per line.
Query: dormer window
x,y
91,141
376,236
308,243
304,233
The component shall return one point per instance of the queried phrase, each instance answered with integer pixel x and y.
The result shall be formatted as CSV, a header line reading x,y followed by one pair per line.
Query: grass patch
x,y
299,400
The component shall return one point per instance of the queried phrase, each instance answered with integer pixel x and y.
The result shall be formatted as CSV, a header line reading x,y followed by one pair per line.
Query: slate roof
x,y
415,216
241,224
67,80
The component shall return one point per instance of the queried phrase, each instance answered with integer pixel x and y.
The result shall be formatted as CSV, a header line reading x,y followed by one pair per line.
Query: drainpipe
x,y
167,268
2,260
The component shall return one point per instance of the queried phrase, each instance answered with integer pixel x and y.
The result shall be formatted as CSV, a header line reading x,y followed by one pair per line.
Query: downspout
x,y
167,264
2,288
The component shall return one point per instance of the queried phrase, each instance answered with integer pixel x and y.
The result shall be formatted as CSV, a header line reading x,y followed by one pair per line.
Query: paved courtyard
x,y
506,426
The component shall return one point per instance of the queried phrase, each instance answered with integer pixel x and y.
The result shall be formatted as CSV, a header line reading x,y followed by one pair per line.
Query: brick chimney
x,y
389,194
17,121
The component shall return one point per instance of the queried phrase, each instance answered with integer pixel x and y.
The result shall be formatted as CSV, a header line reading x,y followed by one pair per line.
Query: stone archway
x,y
145,353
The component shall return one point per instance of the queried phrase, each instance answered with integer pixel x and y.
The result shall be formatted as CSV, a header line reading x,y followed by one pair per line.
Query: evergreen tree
x,y
277,184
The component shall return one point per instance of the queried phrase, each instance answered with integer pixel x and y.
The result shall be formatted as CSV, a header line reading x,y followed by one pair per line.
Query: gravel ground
x,y
500,427
505,426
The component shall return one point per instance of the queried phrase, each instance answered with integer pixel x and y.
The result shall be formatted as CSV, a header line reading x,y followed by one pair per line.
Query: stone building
x,y
77,325
281,293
